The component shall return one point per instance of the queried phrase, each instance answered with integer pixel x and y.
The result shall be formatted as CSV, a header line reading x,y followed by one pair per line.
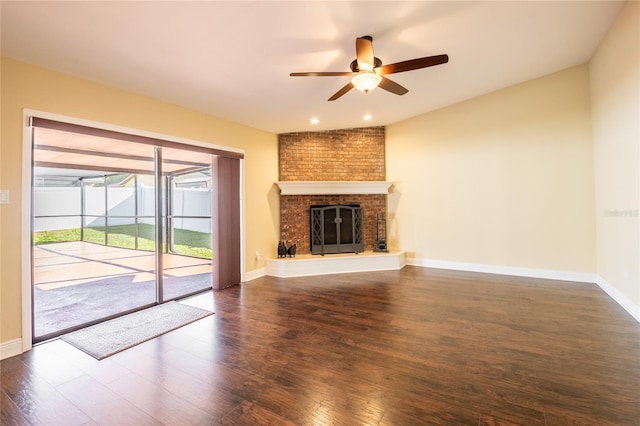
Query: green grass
x,y
188,243
58,236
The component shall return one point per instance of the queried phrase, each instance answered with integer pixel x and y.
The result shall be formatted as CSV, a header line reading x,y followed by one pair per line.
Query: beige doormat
x,y
113,336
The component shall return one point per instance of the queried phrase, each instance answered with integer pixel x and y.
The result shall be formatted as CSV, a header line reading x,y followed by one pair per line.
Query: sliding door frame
x,y
130,134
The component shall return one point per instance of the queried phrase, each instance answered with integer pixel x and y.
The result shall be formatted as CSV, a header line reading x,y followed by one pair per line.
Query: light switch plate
x,y
4,196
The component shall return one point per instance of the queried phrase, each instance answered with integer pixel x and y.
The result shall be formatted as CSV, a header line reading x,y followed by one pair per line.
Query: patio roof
x,y
56,151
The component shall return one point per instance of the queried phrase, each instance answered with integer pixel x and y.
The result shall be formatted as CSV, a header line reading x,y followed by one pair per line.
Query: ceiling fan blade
x,y
364,53
341,92
392,86
413,64
322,74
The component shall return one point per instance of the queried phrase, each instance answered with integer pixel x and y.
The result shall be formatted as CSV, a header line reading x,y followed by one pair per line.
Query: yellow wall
x,y
505,179
615,94
26,86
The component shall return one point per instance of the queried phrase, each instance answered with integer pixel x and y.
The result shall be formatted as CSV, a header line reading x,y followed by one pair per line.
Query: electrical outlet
x,y
258,255
4,196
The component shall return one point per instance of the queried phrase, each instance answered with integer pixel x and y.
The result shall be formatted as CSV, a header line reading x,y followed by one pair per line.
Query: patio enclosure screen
x,y
121,204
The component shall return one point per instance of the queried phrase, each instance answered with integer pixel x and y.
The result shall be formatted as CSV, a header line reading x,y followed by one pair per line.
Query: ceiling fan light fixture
x,y
366,81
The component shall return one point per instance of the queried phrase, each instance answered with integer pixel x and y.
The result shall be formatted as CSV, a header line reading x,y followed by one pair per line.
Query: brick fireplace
x,y
346,155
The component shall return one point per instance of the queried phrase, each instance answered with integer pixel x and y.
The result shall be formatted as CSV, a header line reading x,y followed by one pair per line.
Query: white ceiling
x,y
233,59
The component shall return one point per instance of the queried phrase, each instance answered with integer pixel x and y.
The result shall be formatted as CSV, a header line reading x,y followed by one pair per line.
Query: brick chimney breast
x,y
335,155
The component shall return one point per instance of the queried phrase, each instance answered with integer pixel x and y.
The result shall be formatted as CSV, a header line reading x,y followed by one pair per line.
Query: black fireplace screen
x,y
336,229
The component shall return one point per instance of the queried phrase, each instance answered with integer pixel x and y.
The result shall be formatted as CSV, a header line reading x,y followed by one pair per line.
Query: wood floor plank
x,y
427,411
70,363
415,346
158,402
251,414
37,400
199,387
10,414
102,405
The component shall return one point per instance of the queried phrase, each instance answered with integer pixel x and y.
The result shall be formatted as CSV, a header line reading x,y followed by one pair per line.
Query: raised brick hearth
x,y
336,155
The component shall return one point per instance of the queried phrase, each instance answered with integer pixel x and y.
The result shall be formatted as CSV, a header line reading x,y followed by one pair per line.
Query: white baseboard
x,y
10,348
581,277
621,299
252,275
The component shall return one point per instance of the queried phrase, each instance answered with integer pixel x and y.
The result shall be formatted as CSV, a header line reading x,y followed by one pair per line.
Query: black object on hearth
x,y
283,250
381,234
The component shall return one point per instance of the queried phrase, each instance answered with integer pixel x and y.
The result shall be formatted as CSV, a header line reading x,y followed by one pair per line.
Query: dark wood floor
x,y
416,346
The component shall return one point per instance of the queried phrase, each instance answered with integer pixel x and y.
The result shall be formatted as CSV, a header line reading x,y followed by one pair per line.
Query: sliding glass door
x,y
117,226
189,226
187,222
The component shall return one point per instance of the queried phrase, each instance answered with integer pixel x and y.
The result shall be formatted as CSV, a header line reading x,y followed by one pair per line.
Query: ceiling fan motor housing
x,y
354,64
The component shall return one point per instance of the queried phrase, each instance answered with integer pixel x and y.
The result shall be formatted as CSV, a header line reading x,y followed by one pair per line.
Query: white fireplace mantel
x,y
333,187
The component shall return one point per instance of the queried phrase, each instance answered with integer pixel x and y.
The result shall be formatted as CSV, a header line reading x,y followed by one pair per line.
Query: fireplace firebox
x,y
337,229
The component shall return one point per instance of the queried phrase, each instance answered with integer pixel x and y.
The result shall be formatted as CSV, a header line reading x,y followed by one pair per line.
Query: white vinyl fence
x,y
61,207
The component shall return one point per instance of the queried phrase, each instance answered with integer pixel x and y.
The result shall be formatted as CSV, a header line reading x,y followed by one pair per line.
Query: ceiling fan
x,y
367,71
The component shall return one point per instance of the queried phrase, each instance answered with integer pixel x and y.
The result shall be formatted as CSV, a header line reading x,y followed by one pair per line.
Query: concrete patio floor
x,y
79,282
